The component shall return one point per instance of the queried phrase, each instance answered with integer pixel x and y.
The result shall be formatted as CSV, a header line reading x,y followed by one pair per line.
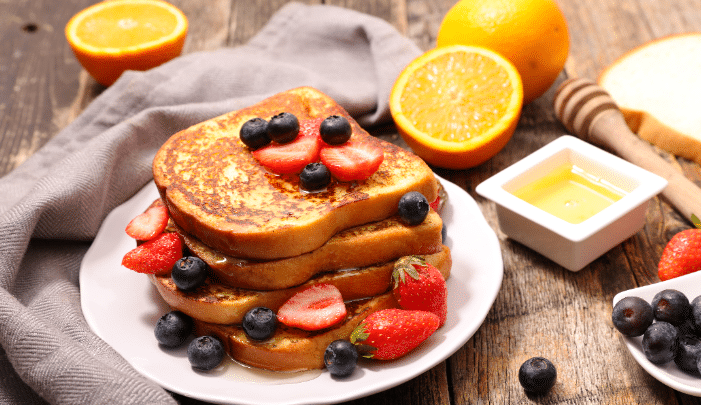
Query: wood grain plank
x,y
602,31
40,77
248,17
392,11
209,23
424,18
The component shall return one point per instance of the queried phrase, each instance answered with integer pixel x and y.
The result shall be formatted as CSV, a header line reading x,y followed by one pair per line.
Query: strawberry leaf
x,y
366,351
359,334
695,220
406,265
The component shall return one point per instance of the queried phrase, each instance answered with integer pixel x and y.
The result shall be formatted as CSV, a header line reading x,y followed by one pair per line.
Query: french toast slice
x,y
218,192
360,246
214,302
292,349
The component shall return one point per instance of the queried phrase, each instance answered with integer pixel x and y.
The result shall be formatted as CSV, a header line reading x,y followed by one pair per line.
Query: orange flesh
x,y
126,25
478,89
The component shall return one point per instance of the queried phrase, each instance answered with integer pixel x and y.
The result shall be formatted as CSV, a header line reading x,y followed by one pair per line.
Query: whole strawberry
x,y
392,333
419,285
681,256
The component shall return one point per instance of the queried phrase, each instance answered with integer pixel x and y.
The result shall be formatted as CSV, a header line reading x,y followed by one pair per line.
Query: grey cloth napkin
x,y
52,206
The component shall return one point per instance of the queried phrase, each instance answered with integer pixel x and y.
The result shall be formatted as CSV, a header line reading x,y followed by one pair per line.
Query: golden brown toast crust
x,y
361,246
292,349
215,302
216,191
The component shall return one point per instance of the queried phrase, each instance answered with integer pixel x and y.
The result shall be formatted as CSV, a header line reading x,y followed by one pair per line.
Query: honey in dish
x,y
570,193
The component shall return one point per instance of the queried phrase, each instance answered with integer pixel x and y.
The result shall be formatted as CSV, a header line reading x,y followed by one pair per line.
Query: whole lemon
x,y
532,34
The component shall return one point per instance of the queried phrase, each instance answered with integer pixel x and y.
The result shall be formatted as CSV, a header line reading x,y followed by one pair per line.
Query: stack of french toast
x,y
264,238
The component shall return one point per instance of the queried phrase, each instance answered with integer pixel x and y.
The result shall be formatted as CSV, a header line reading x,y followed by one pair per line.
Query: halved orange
x,y
532,34
117,35
457,106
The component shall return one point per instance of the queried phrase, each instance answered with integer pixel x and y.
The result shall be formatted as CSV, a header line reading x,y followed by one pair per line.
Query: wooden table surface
x,y
542,309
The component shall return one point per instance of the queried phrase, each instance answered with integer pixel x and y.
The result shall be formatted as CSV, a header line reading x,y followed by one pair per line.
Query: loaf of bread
x,y
657,86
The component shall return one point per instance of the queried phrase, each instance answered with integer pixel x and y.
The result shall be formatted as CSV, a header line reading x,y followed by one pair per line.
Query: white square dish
x,y
572,245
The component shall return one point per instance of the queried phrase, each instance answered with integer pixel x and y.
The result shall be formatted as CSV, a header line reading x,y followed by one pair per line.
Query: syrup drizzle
x,y
233,370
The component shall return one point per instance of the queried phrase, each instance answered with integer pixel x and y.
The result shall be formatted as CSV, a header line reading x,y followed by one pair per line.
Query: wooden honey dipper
x,y
589,112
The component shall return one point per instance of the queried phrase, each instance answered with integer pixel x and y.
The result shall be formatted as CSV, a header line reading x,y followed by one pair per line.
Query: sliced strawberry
x,y
418,285
440,200
392,333
148,224
352,160
291,157
311,127
317,307
157,256
436,203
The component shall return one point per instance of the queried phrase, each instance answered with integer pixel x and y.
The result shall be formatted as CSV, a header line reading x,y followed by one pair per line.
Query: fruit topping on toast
x,y
259,323
391,333
189,272
335,130
317,307
418,285
148,224
283,128
291,157
413,207
254,133
314,177
329,139
156,256
353,160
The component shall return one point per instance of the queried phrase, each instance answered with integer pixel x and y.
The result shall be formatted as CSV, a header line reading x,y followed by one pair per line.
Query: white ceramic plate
x,y
667,374
122,308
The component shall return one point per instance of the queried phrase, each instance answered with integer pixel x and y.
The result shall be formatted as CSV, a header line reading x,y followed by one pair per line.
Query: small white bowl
x,y
572,246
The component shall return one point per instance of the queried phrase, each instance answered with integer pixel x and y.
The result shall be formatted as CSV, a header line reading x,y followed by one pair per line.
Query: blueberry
x,y
189,273
335,130
259,323
632,316
660,342
688,328
671,306
688,349
696,313
205,352
254,133
340,358
173,328
283,127
537,375
314,177
413,207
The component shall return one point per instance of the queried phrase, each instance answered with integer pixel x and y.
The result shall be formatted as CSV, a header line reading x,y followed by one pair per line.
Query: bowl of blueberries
x,y
661,326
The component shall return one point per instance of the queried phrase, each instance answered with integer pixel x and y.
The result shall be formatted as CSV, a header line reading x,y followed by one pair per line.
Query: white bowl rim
x,y
649,185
